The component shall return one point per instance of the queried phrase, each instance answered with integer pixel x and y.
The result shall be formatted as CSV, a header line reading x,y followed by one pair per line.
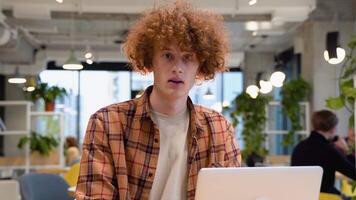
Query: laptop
x,y
259,183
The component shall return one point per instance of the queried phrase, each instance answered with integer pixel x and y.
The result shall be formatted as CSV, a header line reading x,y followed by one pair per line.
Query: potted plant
x,y
42,148
43,144
253,114
292,93
48,94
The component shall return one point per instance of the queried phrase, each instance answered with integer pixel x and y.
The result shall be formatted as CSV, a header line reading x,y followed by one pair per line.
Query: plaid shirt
x,y
121,146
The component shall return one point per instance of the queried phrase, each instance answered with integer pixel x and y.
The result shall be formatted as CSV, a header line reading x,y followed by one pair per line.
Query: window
x,y
97,89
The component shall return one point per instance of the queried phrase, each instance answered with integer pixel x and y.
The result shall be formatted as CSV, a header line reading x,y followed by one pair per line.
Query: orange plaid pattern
x,y
121,145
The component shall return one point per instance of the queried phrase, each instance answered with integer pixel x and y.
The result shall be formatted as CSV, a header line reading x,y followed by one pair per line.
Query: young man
x,y
153,147
317,150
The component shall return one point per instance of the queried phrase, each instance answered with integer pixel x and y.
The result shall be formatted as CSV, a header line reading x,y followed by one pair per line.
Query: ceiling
x,y
35,31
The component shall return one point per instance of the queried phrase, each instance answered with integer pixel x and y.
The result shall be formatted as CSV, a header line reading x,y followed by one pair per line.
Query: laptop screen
x,y
259,183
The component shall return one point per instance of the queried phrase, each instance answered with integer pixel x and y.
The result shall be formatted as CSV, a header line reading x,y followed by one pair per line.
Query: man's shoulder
x,y
124,107
203,111
209,116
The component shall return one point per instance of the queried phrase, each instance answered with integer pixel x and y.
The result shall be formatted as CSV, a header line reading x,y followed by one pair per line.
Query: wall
x,y
323,76
15,117
257,62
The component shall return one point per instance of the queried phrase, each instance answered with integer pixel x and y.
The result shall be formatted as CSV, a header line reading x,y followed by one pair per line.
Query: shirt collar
x,y
319,136
144,110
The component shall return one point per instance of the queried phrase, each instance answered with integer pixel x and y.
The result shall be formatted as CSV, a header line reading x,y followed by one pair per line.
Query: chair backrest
x,y
327,196
43,187
9,190
71,177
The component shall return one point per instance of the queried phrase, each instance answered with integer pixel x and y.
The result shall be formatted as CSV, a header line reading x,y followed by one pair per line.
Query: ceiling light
x,y
251,26
88,55
72,62
333,54
59,1
277,79
252,90
30,84
88,52
89,61
30,89
252,2
226,104
340,52
16,77
209,94
266,87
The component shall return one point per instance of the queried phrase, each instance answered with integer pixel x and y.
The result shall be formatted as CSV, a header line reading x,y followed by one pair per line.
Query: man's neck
x,y
327,135
167,106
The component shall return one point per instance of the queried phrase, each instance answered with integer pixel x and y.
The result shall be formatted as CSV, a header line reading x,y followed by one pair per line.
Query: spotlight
x,y
333,54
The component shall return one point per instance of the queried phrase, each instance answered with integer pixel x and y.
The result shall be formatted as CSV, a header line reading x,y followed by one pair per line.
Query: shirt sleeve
x,y
97,174
343,165
233,154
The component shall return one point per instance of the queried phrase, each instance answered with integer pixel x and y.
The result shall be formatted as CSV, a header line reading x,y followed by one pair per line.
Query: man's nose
x,y
178,66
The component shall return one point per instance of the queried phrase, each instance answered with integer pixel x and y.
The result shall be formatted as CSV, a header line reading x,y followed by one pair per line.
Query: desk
x,y
278,160
52,171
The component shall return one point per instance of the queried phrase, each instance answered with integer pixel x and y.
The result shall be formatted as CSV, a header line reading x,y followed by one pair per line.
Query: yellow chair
x,y
71,177
346,188
328,196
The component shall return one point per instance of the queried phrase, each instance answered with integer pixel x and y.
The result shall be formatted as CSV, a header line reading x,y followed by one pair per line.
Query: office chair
x,y
43,187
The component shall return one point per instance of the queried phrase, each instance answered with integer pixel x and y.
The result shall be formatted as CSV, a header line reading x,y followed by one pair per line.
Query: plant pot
x,y
38,159
49,106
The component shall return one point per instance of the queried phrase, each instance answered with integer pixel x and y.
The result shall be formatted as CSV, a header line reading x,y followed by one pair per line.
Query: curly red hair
x,y
194,30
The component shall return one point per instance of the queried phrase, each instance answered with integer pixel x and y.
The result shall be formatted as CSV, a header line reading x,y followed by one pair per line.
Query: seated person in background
x,y
317,150
350,141
345,146
153,147
71,149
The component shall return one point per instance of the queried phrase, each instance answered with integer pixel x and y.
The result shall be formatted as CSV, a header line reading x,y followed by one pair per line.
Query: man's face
x,y
174,71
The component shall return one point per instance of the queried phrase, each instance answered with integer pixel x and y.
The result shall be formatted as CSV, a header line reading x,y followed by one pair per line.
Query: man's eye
x,y
168,56
188,57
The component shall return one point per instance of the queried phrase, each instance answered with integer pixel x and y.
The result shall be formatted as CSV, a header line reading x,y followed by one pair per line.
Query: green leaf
x,y
353,185
334,103
350,92
352,43
22,142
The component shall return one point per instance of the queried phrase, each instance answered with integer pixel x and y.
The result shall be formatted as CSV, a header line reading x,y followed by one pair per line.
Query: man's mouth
x,y
176,81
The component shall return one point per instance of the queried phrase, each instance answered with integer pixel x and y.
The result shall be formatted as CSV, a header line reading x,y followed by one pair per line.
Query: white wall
x,y
15,117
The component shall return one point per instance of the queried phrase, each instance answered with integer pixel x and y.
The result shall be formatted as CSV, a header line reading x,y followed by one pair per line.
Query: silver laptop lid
x,y
259,183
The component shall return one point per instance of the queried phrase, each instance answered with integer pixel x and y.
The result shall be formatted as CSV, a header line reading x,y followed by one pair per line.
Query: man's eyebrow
x,y
165,48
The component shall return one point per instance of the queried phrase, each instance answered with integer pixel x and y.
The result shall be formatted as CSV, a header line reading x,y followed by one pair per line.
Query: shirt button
x,y
150,174
156,140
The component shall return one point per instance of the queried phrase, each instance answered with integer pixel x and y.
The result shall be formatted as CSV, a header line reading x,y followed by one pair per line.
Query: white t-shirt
x,y
170,182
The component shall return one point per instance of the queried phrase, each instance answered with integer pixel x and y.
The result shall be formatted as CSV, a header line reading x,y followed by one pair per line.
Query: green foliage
x,y
292,93
347,92
41,143
253,114
47,93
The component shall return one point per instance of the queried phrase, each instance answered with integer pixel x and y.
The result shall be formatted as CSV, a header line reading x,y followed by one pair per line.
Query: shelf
x,y
14,103
29,161
32,167
45,113
14,132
